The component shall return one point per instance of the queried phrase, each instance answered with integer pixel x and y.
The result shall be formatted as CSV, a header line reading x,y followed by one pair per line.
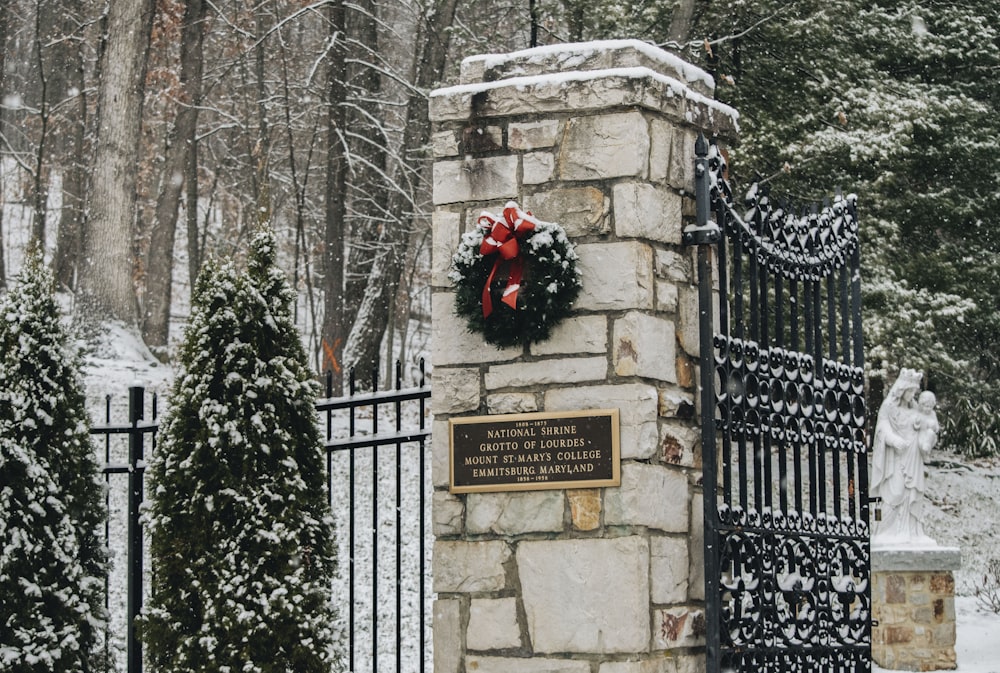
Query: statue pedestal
x,y
913,607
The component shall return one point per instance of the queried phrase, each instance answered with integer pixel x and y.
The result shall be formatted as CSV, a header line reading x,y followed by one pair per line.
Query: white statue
x,y
905,432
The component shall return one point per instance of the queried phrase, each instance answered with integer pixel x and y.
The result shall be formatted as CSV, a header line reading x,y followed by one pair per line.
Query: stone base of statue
x,y
913,606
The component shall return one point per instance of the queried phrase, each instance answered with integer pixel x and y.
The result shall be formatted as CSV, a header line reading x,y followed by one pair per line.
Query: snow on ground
x,y
964,511
978,644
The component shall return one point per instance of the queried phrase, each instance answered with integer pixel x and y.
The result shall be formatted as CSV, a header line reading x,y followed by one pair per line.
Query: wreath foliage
x,y
549,282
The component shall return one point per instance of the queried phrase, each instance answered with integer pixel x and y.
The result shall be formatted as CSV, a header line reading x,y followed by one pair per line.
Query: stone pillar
x,y
600,138
913,605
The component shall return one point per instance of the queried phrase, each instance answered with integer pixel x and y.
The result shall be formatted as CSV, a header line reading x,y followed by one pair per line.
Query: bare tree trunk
x,y
299,184
106,279
160,260
575,18
334,332
194,239
262,149
4,19
369,149
383,280
681,21
39,183
69,241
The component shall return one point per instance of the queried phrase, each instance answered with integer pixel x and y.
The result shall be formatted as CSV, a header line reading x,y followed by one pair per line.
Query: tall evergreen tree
x,y
53,564
241,532
894,100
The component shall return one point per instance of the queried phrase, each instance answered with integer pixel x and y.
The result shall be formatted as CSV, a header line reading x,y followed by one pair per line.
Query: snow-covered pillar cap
x,y
585,76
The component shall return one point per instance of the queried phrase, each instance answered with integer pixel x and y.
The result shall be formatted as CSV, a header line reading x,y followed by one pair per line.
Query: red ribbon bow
x,y
501,237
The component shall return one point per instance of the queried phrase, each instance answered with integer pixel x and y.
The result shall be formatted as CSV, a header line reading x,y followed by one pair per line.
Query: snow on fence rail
x,y
377,467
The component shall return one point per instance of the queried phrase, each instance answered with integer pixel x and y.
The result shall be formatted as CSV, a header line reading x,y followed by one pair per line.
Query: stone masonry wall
x,y
913,607
600,139
915,612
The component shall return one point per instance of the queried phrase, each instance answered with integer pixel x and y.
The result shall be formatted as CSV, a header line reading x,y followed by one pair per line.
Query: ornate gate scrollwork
x,y
786,490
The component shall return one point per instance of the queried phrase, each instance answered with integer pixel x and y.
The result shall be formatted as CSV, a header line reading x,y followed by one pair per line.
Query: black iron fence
x,y
376,460
135,430
385,546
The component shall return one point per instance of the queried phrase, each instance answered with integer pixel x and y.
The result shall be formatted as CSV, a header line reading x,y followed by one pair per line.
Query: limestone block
x,y
886,559
680,171
586,595
661,141
525,665
511,403
675,266
678,443
475,179
479,138
687,371
642,485
604,146
586,56
445,237
578,92
629,667
447,516
447,630
585,508
645,211
444,143
669,569
453,342
666,296
688,334
943,635
636,404
696,548
676,403
455,390
679,627
616,276
644,346
515,513
564,370
674,663
537,168
576,334
581,211
440,453
689,208
532,135
469,567
493,624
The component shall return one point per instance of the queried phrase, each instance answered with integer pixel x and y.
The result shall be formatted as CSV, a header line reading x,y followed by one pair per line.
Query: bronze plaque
x,y
530,452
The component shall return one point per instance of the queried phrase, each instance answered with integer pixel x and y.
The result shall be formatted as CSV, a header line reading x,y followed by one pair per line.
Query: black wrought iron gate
x,y
786,490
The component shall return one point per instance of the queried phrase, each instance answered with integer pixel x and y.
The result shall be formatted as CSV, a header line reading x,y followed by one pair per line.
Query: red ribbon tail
x,y
513,283
487,300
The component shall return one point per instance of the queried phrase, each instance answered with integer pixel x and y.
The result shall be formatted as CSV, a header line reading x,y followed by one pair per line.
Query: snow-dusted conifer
x,y
241,532
53,563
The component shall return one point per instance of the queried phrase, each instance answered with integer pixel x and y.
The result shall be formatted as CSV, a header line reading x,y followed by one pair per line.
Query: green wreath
x,y
516,277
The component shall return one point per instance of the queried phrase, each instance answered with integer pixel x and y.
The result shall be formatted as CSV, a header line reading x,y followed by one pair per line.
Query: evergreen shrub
x,y
240,527
53,562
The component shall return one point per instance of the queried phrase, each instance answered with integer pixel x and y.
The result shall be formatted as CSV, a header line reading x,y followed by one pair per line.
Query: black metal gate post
x,y
705,234
135,468
136,472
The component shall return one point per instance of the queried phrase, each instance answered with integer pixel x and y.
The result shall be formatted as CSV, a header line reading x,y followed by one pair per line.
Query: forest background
x,y
141,137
